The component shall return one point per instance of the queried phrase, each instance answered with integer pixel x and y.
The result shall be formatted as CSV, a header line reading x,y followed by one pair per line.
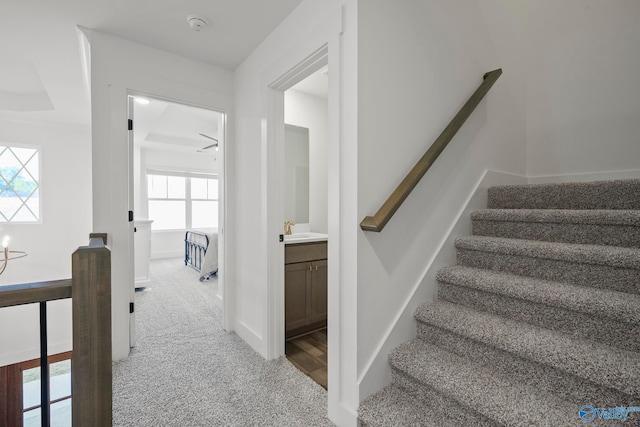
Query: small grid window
x,y
19,184
60,395
179,201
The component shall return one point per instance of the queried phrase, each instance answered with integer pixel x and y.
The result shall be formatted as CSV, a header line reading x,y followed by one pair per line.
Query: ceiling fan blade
x,y
207,136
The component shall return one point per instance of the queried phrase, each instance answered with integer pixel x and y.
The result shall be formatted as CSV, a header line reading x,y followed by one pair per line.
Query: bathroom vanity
x,y
305,284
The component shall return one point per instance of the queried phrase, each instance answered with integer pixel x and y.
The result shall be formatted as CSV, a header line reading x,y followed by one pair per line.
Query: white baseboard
x,y
167,254
250,337
342,416
585,177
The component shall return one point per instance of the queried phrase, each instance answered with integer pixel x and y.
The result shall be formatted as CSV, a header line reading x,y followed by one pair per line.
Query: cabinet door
x,y
297,279
318,292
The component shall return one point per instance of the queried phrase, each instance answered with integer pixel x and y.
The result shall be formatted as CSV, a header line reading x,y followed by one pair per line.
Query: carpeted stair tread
x,y
616,194
611,256
595,227
546,378
393,406
569,216
604,303
605,365
481,388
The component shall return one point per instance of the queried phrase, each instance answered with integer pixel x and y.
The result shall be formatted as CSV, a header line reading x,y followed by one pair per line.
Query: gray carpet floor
x,y
187,371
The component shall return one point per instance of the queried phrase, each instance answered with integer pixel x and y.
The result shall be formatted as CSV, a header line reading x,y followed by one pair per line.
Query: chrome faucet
x,y
287,227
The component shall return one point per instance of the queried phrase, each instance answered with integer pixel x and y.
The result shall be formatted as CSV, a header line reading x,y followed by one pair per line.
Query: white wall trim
x,y
340,415
586,176
250,336
167,254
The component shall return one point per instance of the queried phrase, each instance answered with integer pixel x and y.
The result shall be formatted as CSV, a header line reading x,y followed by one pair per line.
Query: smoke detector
x,y
197,23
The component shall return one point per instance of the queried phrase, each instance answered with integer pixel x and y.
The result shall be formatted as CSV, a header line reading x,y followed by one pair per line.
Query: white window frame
x,y
187,199
38,149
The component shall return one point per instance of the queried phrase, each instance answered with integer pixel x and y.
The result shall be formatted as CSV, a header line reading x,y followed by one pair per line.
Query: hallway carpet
x,y
187,371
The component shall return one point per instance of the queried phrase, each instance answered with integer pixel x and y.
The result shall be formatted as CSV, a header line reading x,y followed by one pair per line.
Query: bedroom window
x,y
19,184
179,201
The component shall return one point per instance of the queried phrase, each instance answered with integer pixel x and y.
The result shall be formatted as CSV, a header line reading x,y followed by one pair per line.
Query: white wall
x,y
65,160
311,112
117,67
257,223
583,87
566,107
418,62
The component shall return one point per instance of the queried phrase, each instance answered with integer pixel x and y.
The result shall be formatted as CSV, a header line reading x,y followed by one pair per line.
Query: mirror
x,y
296,160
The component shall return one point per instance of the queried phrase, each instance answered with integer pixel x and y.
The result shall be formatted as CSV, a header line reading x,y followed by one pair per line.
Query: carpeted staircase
x,y
540,316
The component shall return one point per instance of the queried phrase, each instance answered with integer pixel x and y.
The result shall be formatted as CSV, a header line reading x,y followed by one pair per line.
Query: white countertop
x,y
306,237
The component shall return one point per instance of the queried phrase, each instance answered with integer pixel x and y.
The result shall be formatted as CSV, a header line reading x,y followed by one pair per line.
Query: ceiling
x,y
167,126
41,76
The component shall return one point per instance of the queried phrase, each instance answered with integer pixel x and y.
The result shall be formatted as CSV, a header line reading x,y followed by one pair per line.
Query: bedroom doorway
x,y
176,170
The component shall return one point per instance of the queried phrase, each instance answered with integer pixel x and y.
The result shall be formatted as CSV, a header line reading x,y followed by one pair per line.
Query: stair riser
x,y
395,406
585,326
596,276
613,235
460,414
595,195
547,378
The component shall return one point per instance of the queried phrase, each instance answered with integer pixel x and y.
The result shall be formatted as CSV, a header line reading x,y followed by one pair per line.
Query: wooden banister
x,y
29,293
91,378
90,291
393,202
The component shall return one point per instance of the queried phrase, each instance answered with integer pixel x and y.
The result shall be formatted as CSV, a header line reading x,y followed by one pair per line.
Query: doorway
x,y
306,204
176,170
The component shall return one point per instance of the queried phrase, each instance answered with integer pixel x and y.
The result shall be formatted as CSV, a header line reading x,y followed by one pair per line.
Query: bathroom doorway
x,y
306,206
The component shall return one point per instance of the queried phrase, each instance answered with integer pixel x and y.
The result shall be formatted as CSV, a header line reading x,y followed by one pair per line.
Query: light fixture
x,y
8,254
141,101
197,23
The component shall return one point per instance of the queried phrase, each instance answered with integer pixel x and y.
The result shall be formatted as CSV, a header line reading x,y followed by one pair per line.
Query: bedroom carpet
x,y
538,324
187,371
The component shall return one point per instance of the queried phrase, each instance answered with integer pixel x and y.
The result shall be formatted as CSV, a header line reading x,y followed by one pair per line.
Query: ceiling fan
x,y
208,146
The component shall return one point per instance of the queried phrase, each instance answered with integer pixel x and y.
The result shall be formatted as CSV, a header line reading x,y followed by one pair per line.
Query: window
x,y
19,184
22,380
178,201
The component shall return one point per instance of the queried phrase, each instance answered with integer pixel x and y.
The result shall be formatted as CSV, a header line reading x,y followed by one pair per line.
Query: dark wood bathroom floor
x,y
309,354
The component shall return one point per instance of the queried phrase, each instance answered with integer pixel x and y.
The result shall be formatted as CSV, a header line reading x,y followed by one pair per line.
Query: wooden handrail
x,y
393,202
29,293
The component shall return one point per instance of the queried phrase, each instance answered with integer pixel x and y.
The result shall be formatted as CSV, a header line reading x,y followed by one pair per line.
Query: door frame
x,y
275,194
222,203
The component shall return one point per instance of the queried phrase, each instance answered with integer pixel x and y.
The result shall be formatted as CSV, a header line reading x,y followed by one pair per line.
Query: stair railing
x,y
90,291
393,202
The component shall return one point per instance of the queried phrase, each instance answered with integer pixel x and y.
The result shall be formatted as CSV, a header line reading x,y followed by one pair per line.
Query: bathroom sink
x,y
304,237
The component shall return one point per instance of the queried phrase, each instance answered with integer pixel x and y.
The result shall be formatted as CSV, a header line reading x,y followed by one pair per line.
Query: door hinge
x,y
130,216
130,124
131,307
282,237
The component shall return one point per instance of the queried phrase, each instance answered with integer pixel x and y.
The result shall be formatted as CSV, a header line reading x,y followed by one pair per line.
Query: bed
x,y
201,252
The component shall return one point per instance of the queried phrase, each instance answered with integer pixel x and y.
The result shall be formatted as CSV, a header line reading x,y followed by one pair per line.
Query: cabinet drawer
x,y
301,252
